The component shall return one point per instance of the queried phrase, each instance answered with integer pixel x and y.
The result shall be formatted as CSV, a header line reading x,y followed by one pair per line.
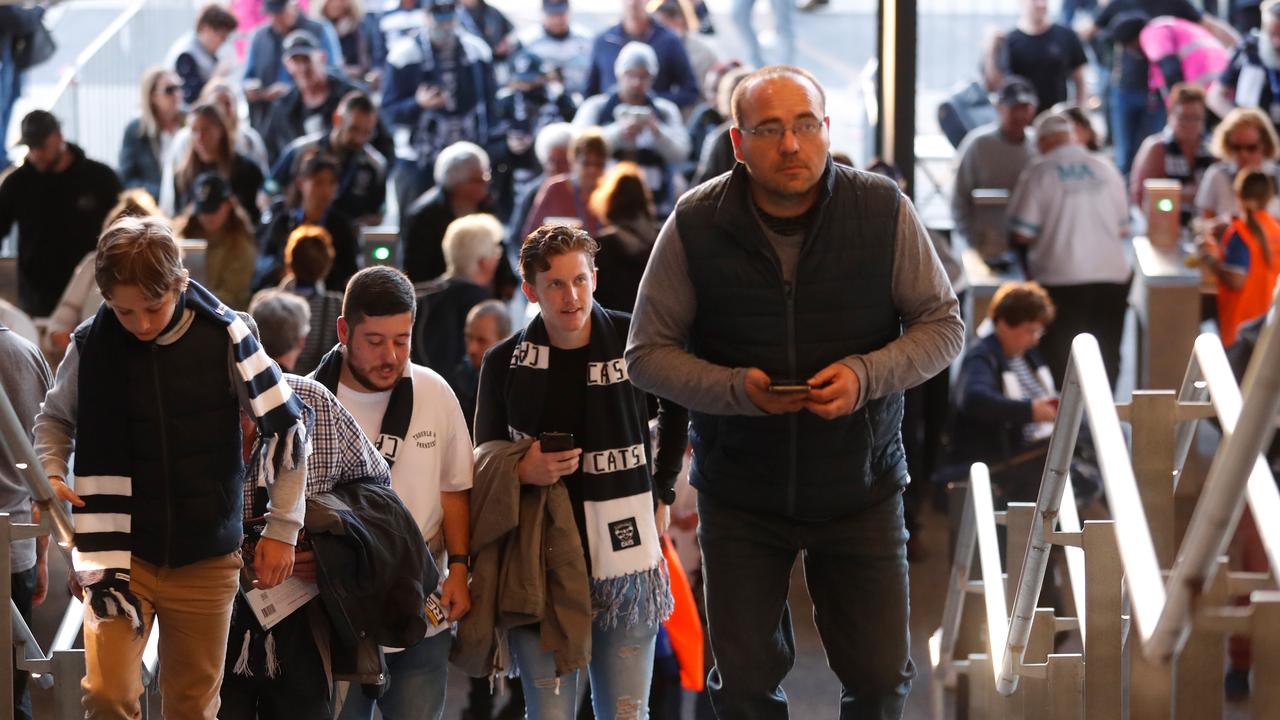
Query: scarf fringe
x,y
629,600
273,662
242,663
105,602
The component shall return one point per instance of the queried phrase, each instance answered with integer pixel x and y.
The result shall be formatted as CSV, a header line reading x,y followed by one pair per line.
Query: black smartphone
x,y
555,441
788,388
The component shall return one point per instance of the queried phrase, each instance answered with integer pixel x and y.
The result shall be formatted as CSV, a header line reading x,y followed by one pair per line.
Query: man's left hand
x,y
834,393
272,563
42,581
454,595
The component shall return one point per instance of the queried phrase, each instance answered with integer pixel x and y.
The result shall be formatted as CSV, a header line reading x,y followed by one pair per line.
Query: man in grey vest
x,y
788,304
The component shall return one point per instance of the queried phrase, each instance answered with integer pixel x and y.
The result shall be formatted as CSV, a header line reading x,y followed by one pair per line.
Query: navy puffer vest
x,y
184,430
798,466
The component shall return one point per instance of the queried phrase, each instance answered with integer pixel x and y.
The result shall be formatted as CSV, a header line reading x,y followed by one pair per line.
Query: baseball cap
x,y
1051,123
274,7
209,191
442,9
37,126
300,42
527,67
1016,90
555,6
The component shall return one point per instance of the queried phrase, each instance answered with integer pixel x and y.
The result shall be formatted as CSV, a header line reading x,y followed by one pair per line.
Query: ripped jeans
x,y
621,668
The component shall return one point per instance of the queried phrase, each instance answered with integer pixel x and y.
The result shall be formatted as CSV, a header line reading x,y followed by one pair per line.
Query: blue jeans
x,y
784,13
10,89
1135,114
856,570
620,670
419,677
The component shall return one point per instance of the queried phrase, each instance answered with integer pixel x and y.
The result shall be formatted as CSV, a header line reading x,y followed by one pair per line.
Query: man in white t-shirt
x,y
1070,209
413,417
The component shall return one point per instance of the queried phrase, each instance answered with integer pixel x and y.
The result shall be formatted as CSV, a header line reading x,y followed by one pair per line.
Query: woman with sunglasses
x,y
1244,140
147,139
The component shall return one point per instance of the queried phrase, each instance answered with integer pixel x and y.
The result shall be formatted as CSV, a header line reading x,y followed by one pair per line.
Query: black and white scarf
x,y
104,466
395,421
629,584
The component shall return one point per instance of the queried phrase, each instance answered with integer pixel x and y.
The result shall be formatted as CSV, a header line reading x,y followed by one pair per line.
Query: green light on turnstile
x,y
1164,205
381,253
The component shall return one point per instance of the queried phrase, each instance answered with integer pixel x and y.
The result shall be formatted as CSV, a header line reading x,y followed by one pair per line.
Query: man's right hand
x,y
539,468
63,492
771,403
1044,410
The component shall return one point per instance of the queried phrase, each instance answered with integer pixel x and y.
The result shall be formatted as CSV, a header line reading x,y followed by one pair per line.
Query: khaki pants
x,y
193,604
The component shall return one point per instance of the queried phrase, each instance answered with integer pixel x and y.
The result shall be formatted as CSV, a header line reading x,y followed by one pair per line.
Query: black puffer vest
x,y
184,430
798,466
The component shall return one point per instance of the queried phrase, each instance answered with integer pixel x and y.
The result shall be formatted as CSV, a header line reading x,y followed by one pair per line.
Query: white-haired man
x,y
473,251
461,188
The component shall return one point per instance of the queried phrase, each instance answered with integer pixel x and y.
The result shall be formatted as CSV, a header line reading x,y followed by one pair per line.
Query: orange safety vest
x,y
1236,307
684,627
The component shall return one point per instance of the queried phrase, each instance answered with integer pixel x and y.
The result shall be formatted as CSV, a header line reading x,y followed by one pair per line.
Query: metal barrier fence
x,y
1176,640
99,94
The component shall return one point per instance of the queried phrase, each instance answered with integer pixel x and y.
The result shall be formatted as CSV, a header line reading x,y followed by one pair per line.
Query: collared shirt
x,y
340,452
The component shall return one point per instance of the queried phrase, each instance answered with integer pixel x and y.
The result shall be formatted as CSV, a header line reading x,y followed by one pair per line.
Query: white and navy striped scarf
x,y
629,583
103,467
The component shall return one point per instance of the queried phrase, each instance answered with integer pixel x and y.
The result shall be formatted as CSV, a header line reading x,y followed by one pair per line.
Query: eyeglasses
x,y
1244,147
774,131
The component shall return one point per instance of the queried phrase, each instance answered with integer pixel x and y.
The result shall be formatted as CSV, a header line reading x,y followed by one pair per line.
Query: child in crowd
x,y
1247,262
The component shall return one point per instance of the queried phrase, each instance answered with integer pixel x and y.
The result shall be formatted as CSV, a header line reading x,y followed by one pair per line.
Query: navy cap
x,y
274,7
1017,90
37,126
527,67
442,9
209,191
300,42
555,6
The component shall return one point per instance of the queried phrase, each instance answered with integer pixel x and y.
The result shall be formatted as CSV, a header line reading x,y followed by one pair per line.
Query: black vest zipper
x,y
793,460
164,455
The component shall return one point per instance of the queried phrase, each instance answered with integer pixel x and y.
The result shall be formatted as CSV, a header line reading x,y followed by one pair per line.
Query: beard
x,y
368,382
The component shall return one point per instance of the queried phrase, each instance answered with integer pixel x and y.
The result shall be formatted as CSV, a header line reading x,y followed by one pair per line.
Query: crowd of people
x,y
409,439
468,450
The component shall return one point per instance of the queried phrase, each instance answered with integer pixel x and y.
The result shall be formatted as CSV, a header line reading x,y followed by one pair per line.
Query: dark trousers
x,y
856,571
300,690
23,586
1095,308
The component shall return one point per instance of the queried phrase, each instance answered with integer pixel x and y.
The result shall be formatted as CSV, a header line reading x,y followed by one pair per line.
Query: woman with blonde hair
x,y
147,138
358,35
1244,140
245,140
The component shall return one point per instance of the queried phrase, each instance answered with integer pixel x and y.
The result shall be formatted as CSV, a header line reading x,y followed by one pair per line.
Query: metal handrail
x,y
71,72
1086,395
989,562
23,456
1237,473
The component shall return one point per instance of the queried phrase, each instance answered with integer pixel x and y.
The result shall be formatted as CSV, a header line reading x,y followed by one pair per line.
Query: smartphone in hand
x,y
555,441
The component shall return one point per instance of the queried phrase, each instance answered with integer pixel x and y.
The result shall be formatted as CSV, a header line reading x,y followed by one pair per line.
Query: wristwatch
x,y
464,560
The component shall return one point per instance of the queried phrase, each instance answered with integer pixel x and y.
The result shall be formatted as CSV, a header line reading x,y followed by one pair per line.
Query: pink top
x,y
1203,57
559,198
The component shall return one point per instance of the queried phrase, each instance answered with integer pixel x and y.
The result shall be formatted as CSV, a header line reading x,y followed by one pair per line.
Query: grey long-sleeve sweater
x,y
658,361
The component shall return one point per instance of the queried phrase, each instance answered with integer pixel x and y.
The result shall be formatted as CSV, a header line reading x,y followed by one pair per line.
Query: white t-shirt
x,y
1217,190
434,457
1076,209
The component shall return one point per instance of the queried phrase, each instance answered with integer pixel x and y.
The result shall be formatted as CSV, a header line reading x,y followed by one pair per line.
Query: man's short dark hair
x,y
356,101
768,73
377,291
217,17
551,241
317,163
